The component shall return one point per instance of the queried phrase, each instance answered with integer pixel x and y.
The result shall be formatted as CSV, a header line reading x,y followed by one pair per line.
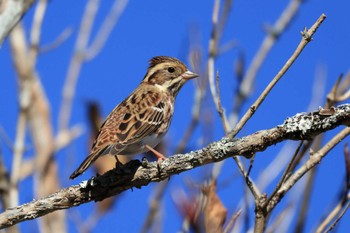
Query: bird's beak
x,y
189,75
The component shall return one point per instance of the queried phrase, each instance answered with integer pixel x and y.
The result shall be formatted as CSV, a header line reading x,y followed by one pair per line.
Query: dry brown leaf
x,y
215,212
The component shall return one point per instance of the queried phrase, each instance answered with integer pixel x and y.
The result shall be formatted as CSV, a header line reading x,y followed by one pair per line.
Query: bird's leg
x,y
117,162
159,155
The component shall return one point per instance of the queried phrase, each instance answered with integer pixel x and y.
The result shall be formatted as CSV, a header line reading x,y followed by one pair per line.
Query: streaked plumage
x,y
144,117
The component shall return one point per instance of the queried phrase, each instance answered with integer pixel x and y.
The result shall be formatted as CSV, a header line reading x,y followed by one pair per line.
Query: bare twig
x,y
331,227
83,52
63,139
279,223
344,97
36,31
310,163
217,29
65,34
332,95
302,215
6,139
219,107
276,167
273,34
134,174
345,83
105,30
155,206
231,224
343,198
287,171
340,91
306,38
76,63
17,160
336,210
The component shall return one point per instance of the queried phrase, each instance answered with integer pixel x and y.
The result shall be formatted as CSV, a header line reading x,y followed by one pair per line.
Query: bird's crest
x,y
161,59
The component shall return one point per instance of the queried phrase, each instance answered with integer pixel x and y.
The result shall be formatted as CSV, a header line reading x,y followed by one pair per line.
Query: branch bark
x,y
11,12
302,126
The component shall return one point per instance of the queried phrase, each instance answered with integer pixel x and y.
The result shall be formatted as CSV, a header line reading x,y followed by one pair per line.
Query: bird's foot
x,y
160,157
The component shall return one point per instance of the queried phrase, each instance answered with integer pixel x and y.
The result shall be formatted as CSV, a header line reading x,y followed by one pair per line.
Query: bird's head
x,y
168,74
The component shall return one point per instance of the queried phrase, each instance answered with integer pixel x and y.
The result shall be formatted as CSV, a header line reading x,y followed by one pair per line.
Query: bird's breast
x,y
140,147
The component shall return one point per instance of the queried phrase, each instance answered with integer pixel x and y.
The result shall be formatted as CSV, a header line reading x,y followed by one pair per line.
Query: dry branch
x,y
306,38
302,126
11,12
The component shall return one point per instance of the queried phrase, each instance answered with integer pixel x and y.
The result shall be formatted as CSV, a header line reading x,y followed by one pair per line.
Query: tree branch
x,y
302,126
11,12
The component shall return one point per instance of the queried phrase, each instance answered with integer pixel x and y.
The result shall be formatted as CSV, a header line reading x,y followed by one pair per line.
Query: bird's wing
x,y
138,116
133,119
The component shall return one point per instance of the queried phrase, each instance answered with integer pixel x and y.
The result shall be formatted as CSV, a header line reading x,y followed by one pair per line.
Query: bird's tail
x,y
84,165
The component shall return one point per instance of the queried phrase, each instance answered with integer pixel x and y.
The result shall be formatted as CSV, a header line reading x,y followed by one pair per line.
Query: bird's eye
x,y
171,69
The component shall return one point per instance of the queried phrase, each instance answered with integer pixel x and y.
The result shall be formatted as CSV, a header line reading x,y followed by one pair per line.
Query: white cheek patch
x,y
161,87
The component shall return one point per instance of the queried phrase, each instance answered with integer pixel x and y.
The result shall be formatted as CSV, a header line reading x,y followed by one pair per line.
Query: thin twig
x,y
306,38
105,30
272,36
331,227
36,31
276,167
307,166
287,171
302,214
217,29
218,25
62,140
61,38
76,63
332,95
219,107
17,160
344,88
336,210
154,206
344,196
213,51
231,224
344,96
278,224
83,52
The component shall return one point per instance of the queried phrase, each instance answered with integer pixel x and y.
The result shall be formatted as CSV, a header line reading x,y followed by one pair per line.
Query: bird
x,y
140,121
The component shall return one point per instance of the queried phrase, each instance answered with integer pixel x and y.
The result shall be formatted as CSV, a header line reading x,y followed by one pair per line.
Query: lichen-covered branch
x,y
302,126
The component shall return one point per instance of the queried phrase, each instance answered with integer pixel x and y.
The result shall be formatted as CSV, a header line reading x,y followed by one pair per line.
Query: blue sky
x,y
150,28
